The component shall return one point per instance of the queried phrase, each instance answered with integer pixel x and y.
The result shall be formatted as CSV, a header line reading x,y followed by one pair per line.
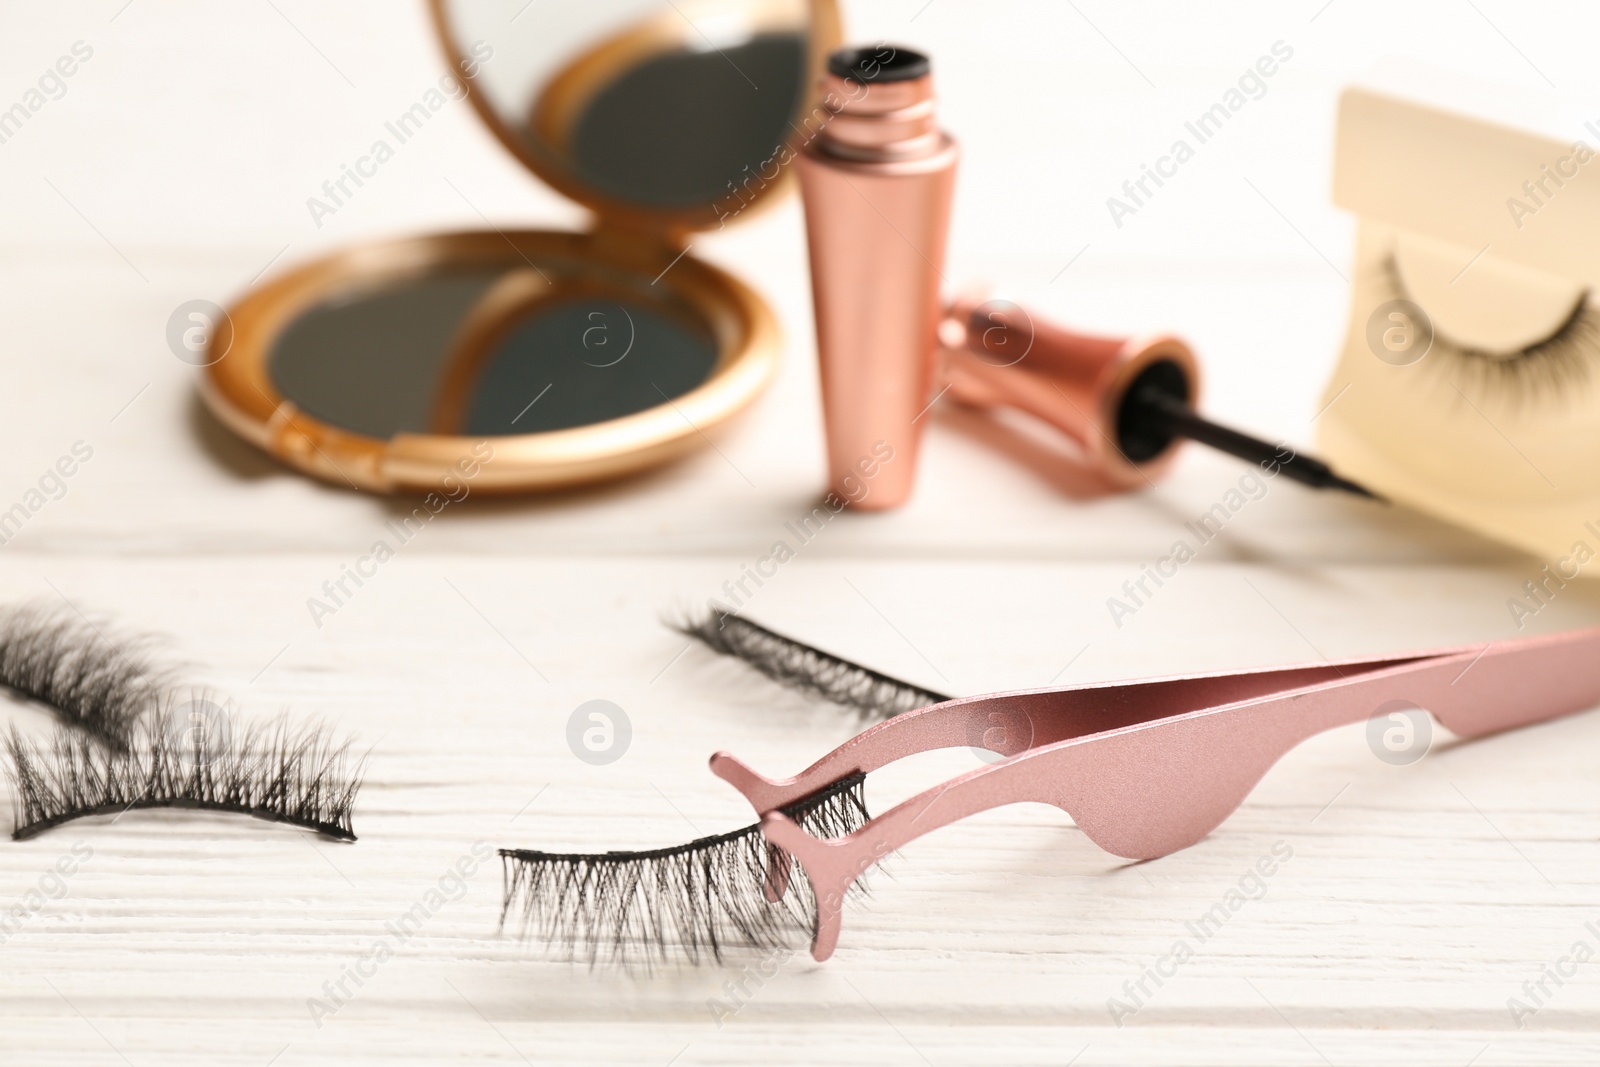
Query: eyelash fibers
x,y
93,683
795,665
1549,368
127,740
689,901
277,772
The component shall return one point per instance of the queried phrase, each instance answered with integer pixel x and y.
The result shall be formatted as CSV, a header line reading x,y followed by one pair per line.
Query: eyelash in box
x,y
1560,362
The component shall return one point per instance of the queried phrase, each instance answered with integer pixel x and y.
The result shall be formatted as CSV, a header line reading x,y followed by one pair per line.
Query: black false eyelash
x,y
277,771
1560,362
797,665
93,683
690,901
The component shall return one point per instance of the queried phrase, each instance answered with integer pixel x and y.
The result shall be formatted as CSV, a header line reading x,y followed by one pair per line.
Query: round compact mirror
x,y
545,358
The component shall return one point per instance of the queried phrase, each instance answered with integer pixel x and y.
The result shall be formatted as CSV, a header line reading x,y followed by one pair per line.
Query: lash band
x,y
805,805
331,830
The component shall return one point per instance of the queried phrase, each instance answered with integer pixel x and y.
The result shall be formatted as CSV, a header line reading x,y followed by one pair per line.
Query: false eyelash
x,y
93,683
698,899
273,771
797,665
1560,362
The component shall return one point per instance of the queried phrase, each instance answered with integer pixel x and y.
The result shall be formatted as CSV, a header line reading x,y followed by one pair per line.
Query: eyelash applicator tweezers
x,y
1151,766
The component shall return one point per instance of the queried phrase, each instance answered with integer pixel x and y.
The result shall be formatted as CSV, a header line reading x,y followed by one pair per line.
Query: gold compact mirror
x,y
541,358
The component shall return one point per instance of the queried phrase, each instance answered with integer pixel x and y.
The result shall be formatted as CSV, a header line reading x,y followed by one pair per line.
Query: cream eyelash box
x,y
1472,164
1467,382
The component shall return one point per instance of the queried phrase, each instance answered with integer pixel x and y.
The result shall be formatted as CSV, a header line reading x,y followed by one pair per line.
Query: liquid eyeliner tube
x,y
876,180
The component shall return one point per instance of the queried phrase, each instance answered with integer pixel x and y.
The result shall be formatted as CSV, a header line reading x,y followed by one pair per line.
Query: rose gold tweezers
x,y
1151,766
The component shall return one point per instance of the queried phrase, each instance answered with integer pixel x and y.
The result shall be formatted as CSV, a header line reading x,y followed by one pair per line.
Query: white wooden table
x,y
1418,900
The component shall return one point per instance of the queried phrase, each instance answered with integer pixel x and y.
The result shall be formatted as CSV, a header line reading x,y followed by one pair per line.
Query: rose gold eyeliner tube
x,y
876,180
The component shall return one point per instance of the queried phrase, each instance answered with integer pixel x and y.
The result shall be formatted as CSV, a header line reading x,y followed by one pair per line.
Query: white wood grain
x,y
1416,902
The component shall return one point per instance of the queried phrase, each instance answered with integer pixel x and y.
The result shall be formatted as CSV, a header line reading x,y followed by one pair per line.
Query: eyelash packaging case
x,y
1468,386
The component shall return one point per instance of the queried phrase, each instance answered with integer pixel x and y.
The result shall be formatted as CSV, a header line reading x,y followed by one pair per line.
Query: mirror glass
x,y
487,353
582,360
661,104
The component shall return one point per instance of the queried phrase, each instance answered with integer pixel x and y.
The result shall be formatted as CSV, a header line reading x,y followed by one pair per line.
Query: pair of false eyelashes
x,y
126,741
699,901
123,744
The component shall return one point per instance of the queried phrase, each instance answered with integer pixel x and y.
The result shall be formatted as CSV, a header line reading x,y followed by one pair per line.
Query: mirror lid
x,y
575,85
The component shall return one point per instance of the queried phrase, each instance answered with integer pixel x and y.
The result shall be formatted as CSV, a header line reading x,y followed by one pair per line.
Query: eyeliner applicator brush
x,y
1125,402
1149,410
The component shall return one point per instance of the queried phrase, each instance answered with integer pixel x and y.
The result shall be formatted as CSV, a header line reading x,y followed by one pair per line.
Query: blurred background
x,y
177,162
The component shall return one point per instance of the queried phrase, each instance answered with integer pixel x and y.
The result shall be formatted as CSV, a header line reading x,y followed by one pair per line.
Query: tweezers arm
x,y
832,866
1139,792
947,725
1473,690
1011,723
1148,789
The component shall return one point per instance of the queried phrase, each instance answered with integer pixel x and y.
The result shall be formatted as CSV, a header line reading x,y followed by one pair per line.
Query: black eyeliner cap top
x,y
878,63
